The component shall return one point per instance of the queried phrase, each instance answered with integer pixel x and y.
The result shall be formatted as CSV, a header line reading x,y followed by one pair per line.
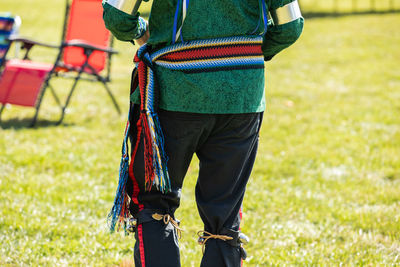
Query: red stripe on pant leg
x,y
141,245
240,215
135,194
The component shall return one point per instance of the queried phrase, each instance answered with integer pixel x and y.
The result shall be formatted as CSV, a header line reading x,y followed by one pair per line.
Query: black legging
x,y
226,145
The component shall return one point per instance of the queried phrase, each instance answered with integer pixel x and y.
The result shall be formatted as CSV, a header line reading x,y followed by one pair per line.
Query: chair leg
x,y
1,110
39,102
70,95
112,97
34,119
55,96
104,82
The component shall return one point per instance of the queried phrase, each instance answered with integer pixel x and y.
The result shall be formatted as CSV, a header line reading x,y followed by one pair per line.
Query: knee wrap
x,y
233,238
148,215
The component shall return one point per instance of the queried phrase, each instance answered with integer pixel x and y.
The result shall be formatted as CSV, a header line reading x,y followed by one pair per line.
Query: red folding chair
x,y
85,53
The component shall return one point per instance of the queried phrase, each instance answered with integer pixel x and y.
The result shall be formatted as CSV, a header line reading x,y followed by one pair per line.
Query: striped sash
x,y
210,55
190,57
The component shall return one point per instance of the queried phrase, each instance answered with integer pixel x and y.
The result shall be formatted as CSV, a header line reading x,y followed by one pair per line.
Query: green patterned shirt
x,y
220,92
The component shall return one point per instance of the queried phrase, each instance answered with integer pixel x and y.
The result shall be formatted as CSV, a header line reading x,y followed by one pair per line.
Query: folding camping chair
x,y
9,25
84,53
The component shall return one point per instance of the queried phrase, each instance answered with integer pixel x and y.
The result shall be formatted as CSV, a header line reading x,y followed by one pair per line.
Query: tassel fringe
x,y
157,163
119,213
156,172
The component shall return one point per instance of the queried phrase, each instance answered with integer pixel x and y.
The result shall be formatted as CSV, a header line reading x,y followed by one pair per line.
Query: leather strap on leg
x,y
148,215
233,238
204,236
166,218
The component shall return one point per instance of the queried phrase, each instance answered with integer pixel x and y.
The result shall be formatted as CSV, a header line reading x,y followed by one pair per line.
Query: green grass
x,y
328,6
324,190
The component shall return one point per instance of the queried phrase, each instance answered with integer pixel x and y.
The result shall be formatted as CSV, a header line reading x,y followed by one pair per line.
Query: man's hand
x,y
142,40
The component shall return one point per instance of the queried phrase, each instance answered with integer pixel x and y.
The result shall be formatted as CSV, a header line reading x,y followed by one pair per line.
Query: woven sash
x,y
195,56
208,55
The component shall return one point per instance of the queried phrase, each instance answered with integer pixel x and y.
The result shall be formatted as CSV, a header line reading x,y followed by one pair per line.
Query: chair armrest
x,y
86,45
28,43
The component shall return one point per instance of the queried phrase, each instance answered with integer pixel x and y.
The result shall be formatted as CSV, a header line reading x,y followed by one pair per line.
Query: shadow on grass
x,y
392,177
19,124
310,15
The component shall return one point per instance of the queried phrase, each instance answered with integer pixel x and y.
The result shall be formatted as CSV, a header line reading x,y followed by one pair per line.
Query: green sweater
x,y
220,92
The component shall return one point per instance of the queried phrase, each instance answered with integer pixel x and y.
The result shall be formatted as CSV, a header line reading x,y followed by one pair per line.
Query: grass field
x,y
325,190
326,6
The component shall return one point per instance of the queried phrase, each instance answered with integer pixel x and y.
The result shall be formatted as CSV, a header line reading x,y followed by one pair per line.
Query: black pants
x,y
226,145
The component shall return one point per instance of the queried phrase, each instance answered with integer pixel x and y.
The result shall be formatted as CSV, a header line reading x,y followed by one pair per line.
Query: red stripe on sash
x,y
141,245
213,52
135,200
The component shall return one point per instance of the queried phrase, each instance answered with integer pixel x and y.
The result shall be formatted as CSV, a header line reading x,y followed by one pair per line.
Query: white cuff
x,y
286,14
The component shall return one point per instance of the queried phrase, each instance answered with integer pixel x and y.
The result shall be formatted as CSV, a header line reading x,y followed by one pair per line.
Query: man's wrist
x,y
141,28
285,14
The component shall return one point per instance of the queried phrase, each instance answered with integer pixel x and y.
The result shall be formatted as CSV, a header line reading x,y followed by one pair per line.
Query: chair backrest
x,y
85,22
8,25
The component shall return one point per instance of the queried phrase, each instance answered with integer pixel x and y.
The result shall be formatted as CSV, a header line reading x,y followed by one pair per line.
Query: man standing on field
x,y
201,90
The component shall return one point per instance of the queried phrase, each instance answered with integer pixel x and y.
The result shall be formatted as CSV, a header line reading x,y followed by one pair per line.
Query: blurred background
x,y
330,7
325,189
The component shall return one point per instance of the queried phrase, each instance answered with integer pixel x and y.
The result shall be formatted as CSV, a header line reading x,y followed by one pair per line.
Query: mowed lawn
x,y
325,190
